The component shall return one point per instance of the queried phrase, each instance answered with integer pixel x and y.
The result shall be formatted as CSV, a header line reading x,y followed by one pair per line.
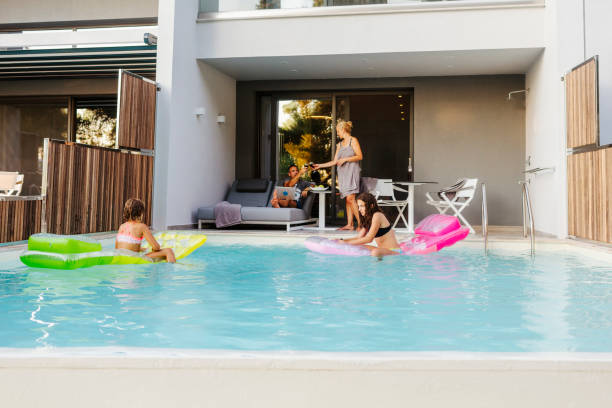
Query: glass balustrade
x,y
214,6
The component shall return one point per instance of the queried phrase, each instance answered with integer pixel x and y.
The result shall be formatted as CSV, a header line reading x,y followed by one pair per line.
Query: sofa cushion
x,y
252,185
272,214
206,213
250,199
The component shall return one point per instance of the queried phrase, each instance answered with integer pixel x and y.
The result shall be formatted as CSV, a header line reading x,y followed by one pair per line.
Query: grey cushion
x,y
250,199
272,214
307,204
252,185
206,213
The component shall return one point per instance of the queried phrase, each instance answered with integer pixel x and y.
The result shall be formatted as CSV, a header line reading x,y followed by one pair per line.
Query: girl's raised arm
x,y
151,239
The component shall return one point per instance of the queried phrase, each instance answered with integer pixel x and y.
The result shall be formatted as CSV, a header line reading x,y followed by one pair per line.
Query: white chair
x,y
386,188
11,183
456,198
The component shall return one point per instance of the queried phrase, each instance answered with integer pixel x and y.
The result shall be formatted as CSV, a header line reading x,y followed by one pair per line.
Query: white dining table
x,y
411,185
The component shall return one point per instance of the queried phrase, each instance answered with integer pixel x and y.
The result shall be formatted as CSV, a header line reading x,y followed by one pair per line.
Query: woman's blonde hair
x,y
345,125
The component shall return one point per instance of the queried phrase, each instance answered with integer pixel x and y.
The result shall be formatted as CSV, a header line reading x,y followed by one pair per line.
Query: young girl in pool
x,y
376,228
132,231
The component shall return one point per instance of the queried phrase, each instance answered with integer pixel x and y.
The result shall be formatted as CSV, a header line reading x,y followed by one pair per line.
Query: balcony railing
x,y
220,6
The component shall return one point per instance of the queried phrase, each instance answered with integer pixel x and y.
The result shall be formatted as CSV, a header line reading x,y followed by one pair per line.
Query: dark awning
x,y
94,62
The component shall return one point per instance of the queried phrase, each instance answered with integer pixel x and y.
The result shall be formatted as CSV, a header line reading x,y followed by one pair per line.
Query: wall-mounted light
x,y
220,118
199,112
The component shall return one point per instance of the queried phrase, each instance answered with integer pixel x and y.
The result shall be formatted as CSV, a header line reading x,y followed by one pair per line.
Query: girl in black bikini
x,y
376,228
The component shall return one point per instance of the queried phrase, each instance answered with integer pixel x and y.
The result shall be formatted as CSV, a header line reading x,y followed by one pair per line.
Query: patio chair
x,y
456,198
11,183
386,188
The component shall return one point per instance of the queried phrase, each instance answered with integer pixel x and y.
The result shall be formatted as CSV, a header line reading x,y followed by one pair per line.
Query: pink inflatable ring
x,y
433,233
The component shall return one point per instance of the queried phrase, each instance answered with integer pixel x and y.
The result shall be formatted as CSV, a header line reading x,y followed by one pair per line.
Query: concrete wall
x,y
566,46
41,13
598,41
194,162
463,126
409,29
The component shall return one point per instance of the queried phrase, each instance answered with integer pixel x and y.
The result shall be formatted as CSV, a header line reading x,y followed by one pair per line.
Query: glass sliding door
x,y
304,134
382,123
24,124
299,127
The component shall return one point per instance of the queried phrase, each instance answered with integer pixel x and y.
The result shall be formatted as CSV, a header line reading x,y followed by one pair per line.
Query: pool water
x,y
250,297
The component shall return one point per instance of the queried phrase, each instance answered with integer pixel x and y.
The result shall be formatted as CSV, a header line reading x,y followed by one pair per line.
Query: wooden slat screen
x,y
87,187
19,219
581,90
136,112
590,195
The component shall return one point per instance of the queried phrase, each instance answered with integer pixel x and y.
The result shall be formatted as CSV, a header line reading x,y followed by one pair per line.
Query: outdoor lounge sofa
x,y
254,196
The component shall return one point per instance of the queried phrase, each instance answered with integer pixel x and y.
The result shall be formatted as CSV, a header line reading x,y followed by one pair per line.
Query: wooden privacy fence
x,y
581,105
87,187
589,166
20,217
136,111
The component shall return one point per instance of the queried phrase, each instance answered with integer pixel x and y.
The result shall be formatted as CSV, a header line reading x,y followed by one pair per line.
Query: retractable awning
x,y
94,62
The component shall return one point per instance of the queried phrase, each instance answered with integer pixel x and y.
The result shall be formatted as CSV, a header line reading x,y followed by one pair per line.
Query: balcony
x,y
417,38
230,9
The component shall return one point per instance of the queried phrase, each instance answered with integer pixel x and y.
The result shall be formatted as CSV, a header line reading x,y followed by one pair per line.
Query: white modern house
x,y
482,81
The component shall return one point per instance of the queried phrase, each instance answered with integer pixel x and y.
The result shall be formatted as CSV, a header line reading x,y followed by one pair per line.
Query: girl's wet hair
x,y
133,210
371,208
344,124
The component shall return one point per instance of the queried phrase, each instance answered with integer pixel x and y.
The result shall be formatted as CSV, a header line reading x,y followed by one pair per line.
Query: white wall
x,y
545,116
480,28
195,157
36,11
598,41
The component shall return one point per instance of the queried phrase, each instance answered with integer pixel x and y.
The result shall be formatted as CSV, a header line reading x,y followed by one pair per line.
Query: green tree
x,y
306,135
95,127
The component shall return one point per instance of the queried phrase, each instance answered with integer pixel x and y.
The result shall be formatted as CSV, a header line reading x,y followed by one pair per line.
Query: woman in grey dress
x,y
348,156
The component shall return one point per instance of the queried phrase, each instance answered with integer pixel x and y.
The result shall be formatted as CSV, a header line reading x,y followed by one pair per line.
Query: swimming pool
x,y
235,296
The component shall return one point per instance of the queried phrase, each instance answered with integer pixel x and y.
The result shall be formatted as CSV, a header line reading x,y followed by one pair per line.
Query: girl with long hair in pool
x,y
133,231
375,227
347,158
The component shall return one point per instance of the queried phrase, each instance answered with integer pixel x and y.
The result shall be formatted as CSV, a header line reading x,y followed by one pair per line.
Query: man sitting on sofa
x,y
301,189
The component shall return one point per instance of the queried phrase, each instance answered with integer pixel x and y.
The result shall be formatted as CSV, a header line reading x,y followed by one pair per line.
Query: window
x,y
96,121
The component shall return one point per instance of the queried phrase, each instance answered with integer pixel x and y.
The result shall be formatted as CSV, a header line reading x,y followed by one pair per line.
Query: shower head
x,y
514,92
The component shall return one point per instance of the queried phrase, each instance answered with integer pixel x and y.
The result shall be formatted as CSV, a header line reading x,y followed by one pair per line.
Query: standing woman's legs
x,y
351,210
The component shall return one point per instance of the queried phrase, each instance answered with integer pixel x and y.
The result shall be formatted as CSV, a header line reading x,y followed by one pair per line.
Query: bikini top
x,y
127,237
382,231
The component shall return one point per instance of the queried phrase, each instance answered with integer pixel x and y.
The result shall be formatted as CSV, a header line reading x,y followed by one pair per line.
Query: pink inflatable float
x,y
433,233
331,247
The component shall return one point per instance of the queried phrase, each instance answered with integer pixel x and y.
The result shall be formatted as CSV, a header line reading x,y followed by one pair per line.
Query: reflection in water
x,y
47,325
546,314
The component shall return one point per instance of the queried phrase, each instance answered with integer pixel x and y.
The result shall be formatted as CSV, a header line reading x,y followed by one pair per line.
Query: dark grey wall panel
x,y
463,126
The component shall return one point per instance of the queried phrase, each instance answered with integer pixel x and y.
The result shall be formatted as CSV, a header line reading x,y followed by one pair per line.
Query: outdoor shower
x,y
514,92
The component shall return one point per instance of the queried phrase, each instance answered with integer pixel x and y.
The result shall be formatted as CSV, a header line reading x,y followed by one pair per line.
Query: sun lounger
x,y
254,196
